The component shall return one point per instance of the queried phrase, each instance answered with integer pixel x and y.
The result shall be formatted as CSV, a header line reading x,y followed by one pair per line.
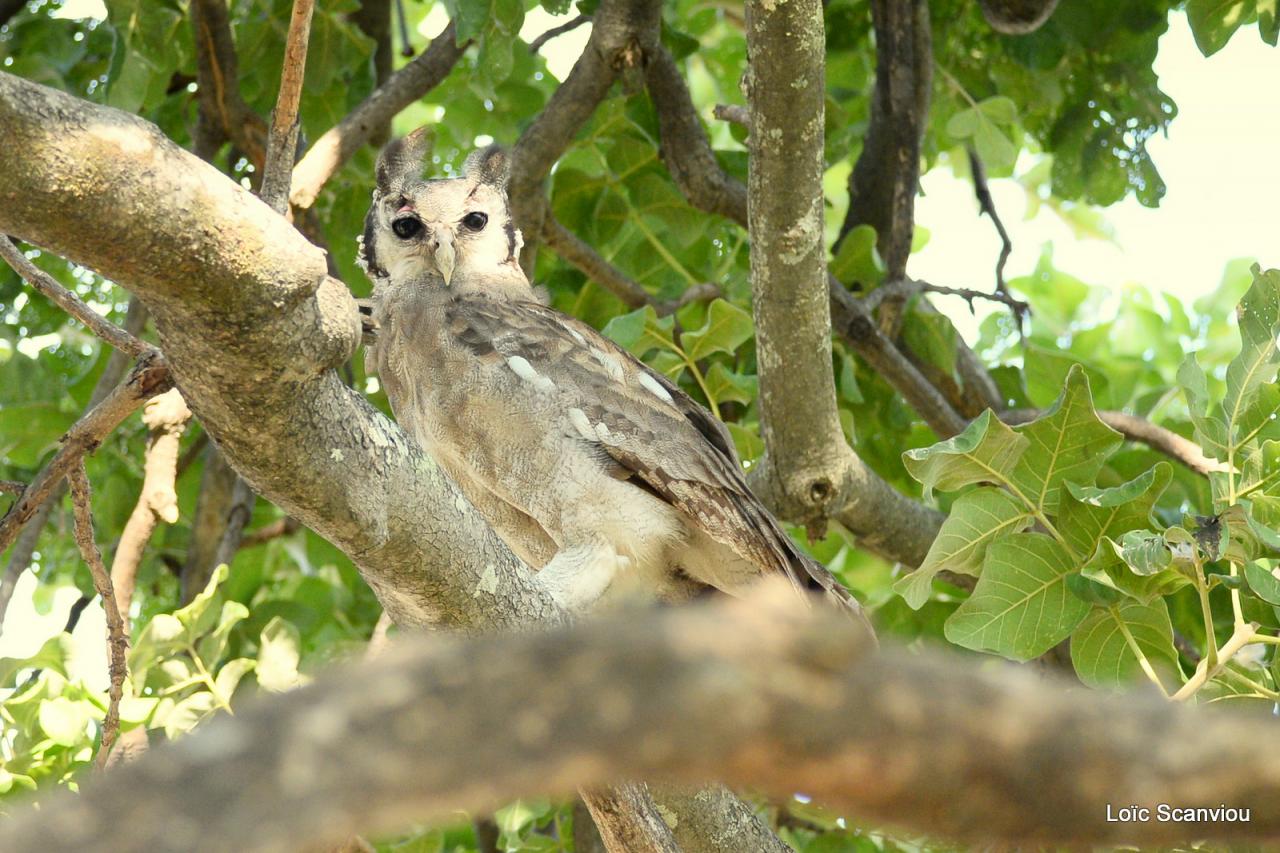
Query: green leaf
x,y
977,519
1256,364
856,260
998,153
727,328
963,123
1021,607
1144,552
999,109
213,645
1264,582
1102,656
199,617
986,452
9,781
65,721
1086,513
1091,591
1105,567
1213,22
229,676
278,656
1269,21
188,713
641,331
724,385
932,337
1067,442
163,635
52,655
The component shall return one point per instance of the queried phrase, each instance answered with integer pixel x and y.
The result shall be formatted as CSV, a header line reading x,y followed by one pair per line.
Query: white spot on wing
x,y
609,363
578,418
654,387
522,368
576,335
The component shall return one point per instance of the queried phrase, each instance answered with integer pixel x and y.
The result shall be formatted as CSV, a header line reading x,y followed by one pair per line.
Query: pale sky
x,y
1220,164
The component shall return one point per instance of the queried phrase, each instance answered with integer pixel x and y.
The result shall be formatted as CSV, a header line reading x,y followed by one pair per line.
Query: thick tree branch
x,y
69,302
928,741
166,417
807,456
252,327
150,377
372,116
117,634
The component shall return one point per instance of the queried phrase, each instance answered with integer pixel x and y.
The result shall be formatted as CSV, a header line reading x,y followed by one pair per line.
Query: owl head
x,y
449,227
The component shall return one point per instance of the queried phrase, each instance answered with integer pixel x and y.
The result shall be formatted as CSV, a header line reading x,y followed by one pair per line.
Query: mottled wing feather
x,y
674,447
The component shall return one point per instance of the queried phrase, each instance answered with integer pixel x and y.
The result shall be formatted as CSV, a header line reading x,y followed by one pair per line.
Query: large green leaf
x,y
727,328
1256,364
1213,22
1021,606
985,452
1102,656
977,519
1211,432
1068,442
1086,513
1105,567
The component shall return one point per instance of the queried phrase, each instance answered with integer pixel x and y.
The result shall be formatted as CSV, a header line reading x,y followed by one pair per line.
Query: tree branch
x,y
556,32
149,377
117,635
624,35
282,136
273,530
1140,429
374,113
218,81
166,417
807,456
69,302
737,690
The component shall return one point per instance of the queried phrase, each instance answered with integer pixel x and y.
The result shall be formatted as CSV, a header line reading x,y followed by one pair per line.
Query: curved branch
x,y
556,32
339,143
930,741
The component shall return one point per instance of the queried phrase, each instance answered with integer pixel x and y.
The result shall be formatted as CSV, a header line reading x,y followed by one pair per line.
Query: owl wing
x,y
659,438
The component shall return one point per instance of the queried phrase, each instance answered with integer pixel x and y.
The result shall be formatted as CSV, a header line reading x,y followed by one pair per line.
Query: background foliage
x,y
1072,534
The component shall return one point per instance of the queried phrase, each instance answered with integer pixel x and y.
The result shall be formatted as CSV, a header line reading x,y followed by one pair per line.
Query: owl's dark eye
x,y
406,227
475,221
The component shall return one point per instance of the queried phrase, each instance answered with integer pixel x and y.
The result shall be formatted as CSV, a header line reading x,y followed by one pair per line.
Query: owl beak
x,y
442,250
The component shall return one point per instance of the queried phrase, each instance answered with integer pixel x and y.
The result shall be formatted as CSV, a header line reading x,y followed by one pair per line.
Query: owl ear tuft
x,y
403,159
489,165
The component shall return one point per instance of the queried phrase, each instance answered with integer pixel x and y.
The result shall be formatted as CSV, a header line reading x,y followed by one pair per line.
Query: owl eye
x,y
475,221
406,227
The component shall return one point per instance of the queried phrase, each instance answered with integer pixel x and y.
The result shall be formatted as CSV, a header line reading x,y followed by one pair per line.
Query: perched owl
x,y
594,468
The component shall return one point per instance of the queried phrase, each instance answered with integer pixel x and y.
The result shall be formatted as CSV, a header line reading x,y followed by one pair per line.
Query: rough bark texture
x,y
628,820
744,831
253,329
808,459
776,695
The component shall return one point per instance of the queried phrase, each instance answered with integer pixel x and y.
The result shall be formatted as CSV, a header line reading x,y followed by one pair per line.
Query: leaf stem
x,y
1202,587
1143,662
1205,671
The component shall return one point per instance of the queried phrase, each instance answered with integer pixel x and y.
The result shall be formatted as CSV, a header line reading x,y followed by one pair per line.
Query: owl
x,y
595,469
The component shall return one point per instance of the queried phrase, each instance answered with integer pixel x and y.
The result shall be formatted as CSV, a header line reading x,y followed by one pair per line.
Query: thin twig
x,y
149,377
734,114
406,48
282,138
12,487
987,205
1140,429
908,287
69,302
554,32
117,640
272,530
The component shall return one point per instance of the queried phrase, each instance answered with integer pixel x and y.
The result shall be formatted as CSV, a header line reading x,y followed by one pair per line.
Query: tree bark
x,y
766,692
